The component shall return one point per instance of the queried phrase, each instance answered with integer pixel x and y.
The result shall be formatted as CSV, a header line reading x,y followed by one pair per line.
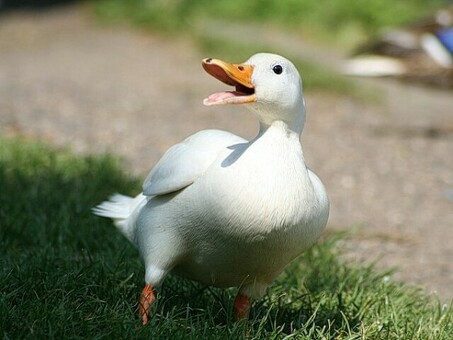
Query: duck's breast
x,y
256,210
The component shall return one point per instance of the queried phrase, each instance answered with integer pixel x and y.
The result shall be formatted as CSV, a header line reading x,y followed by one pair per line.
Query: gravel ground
x,y
388,166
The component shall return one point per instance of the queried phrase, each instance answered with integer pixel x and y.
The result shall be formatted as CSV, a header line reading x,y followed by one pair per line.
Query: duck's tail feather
x,y
120,208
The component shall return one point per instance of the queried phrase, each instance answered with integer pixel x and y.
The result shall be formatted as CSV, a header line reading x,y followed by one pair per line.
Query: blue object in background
x,y
445,36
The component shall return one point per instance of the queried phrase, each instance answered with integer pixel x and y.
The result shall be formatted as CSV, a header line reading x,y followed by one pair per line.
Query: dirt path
x,y
387,168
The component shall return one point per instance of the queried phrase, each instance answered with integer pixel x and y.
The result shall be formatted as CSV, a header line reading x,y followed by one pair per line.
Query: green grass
x,y
329,20
65,273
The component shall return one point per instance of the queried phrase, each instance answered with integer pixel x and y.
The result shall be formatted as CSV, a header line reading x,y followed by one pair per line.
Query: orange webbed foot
x,y
146,300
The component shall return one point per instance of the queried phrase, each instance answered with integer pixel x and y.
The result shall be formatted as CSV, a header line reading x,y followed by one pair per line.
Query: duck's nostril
x,y
208,60
241,68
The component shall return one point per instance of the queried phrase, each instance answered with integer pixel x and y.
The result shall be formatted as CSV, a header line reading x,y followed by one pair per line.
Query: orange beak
x,y
237,75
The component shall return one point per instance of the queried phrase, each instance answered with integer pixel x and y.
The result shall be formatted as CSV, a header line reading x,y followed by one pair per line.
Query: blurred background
x,y
124,76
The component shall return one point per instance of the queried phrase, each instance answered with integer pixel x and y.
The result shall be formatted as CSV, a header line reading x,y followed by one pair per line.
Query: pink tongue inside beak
x,y
228,97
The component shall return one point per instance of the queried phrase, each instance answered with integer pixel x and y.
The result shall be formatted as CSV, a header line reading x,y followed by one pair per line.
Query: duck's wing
x,y
183,163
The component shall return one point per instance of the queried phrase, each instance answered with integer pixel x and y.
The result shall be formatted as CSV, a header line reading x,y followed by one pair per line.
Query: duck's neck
x,y
293,128
279,143
278,132
292,117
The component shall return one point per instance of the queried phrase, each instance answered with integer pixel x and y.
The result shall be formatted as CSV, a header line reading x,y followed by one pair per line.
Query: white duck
x,y
225,211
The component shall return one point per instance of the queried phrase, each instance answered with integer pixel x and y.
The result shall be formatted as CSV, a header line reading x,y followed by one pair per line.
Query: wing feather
x,y
183,163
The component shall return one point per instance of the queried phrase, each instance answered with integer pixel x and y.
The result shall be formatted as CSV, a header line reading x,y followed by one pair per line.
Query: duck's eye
x,y
278,69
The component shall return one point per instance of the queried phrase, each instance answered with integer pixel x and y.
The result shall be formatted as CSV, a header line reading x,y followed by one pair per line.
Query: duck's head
x,y
267,83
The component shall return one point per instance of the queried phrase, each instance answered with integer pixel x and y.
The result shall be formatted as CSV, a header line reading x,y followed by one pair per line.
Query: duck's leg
x,y
241,308
146,300
153,278
243,300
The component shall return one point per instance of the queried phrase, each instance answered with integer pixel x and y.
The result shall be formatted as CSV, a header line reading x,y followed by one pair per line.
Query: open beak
x,y
237,75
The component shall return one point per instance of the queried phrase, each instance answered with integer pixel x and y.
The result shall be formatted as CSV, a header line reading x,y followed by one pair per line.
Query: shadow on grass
x,y
33,4
65,273
61,269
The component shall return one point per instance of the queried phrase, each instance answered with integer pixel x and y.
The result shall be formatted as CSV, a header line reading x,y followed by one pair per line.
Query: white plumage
x,y
225,211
